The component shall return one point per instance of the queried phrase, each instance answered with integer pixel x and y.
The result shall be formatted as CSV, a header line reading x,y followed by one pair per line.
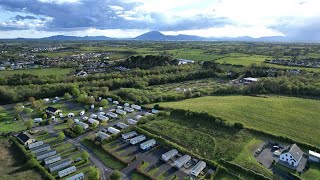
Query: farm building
x,y
148,144
83,125
25,138
170,154
94,116
131,121
52,110
35,144
103,118
314,156
137,107
44,147
115,102
82,113
113,130
198,168
52,159
37,120
59,165
129,109
45,154
129,135
92,121
182,161
122,112
76,177
67,171
292,155
102,135
122,125
70,115
137,139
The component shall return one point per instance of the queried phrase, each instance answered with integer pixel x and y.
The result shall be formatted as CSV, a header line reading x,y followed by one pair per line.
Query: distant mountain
x,y
152,36
76,38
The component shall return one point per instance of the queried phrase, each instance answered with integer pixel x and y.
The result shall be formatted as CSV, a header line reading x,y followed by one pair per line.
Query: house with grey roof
x,y
292,155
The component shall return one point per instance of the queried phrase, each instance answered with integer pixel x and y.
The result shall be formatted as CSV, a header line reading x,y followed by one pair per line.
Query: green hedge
x,y
27,156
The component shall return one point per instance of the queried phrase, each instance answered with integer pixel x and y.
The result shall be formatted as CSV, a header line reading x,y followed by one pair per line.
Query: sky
x,y
297,19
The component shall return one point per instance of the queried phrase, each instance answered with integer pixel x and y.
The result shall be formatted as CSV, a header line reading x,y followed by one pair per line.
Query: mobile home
x,y
44,147
103,118
84,125
92,121
122,125
129,109
170,154
113,130
122,112
45,154
82,113
102,135
198,168
60,165
35,144
137,139
131,121
148,144
129,135
52,159
76,177
67,171
182,161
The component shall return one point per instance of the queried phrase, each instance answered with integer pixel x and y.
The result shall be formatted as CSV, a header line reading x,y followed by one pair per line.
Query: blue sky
x,y
298,19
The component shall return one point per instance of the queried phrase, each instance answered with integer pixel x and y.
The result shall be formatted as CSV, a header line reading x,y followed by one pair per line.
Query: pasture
x,y
38,72
286,116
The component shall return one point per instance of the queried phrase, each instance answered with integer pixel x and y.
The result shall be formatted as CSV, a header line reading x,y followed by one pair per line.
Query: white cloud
x,y
59,1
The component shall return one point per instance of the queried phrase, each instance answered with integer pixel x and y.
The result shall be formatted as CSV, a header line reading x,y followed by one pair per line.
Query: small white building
x,y
138,117
82,113
148,144
45,154
103,118
92,121
52,159
129,135
109,99
60,115
70,115
314,156
137,107
131,121
196,170
100,109
83,125
111,114
60,165
121,112
113,130
44,147
182,161
85,118
249,80
67,171
292,155
102,135
115,102
79,176
102,113
37,120
119,107
137,139
35,144
129,109
122,125
92,106
170,154
126,105
154,111
76,120
94,116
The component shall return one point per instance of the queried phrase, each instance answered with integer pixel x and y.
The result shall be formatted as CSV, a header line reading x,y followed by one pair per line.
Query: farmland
x,y
277,115
38,72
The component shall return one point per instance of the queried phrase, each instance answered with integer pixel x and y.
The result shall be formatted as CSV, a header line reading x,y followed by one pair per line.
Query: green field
x,y
38,72
6,121
287,116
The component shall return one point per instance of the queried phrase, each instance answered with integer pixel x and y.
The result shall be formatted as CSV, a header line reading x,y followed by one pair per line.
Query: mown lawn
x,y
38,72
7,124
12,166
312,173
286,116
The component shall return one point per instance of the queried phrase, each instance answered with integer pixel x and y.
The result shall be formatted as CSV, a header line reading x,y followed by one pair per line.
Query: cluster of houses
x,y
46,49
184,161
302,63
49,157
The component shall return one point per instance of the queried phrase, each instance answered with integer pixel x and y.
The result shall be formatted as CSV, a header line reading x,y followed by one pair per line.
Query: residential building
x,y
25,138
52,110
137,139
292,155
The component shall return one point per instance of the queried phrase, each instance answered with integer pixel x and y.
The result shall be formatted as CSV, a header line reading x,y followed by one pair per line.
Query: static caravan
x,y
60,165
52,159
35,144
100,108
314,156
85,118
119,107
154,111
122,112
136,107
70,115
102,135
76,120
131,121
79,176
122,125
92,106
102,113
182,161
198,168
115,102
113,130
129,109
111,114
92,121
148,144
82,113
138,117
45,154
148,114
94,116
84,125
126,105
44,147
37,120
67,171
170,154
129,135
137,139
109,99
103,118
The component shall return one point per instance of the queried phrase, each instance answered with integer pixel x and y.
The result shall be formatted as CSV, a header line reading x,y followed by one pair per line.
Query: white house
x,y
52,159
35,144
148,144
113,130
137,107
92,106
100,108
126,105
154,111
314,156
170,154
137,139
76,120
94,116
292,155
249,80
196,170
182,161
119,107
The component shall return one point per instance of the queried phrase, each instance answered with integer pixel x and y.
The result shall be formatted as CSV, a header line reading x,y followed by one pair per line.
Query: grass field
x,y
38,72
312,173
224,176
6,121
12,167
287,116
